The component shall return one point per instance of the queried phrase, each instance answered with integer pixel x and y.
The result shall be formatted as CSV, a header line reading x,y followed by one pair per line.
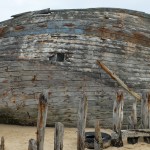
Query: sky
x,y
11,7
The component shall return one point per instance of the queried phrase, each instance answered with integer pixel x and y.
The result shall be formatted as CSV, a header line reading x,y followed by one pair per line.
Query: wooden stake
x,y
32,145
118,118
2,146
145,110
98,142
133,117
115,77
58,136
41,122
82,115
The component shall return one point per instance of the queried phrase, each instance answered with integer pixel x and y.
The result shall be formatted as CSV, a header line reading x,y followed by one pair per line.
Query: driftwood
x,y
41,122
118,118
98,142
32,145
82,114
2,146
120,82
58,136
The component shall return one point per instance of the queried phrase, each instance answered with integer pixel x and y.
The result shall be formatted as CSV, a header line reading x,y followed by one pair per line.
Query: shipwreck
x,y
58,50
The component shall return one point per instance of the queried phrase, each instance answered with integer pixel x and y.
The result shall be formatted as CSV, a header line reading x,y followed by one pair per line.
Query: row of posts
x,y
38,144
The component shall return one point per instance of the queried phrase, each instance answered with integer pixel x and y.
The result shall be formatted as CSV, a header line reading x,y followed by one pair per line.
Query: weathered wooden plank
x,y
82,115
98,142
58,136
42,116
133,133
32,145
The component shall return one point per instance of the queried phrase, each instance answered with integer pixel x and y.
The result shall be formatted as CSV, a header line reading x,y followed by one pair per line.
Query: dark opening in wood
x,y
60,57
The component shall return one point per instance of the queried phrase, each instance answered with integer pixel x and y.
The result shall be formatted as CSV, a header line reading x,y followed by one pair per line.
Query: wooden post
x,y
41,122
82,115
2,146
98,142
58,136
133,117
32,145
118,118
145,113
145,110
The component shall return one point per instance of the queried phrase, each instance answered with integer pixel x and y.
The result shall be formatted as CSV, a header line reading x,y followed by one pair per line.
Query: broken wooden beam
x,y
42,116
120,82
82,115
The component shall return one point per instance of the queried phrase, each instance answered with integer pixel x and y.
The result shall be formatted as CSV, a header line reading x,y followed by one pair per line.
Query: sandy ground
x,y
17,137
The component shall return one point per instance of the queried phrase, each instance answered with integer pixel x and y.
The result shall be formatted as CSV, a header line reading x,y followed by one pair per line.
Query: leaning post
x,y
41,121
82,115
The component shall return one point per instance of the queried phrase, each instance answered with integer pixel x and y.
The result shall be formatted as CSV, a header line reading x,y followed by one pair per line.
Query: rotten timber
x,y
118,118
42,116
115,77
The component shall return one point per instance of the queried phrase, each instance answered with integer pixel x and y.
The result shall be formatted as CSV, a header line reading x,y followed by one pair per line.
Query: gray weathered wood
x,y
118,112
28,41
98,142
32,145
58,136
82,115
118,118
42,116
115,77
133,117
145,110
2,146
132,133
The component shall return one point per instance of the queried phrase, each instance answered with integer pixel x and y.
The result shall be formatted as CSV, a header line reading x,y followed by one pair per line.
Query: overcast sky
x,y
11,7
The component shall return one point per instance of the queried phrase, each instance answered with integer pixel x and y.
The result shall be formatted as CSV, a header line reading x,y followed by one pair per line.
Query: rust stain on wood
x,y
69,24
19,27
133,37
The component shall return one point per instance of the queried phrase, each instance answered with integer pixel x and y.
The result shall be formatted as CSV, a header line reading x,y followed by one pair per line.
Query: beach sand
x,y
17,137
